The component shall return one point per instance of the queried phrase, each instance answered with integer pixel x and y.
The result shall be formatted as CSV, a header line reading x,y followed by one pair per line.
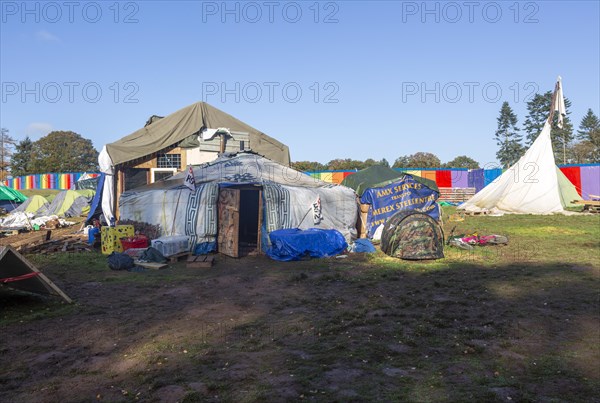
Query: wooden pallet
x,y
68,243
177,256
456,195
199,262
590,206
471,213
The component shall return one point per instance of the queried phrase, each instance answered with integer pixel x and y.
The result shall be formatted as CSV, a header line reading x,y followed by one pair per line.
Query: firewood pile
x,y
151,231
66,243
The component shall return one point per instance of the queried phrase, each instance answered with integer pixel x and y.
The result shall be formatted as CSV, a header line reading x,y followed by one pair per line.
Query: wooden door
x,y
229,222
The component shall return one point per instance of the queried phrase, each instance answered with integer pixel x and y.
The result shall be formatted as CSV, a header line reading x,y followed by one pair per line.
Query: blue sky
x,y
330,79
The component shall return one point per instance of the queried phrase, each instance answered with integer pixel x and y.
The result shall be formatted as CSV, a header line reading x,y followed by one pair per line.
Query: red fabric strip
x,y
19,278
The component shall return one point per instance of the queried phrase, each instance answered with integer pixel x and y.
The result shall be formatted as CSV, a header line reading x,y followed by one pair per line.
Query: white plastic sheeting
x,y
108,191
26,220
531,186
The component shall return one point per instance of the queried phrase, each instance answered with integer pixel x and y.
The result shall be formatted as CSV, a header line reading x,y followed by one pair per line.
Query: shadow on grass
x,y
358,329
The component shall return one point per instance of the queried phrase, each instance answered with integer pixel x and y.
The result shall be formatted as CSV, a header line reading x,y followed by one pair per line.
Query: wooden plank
x,y
46,282
175,258
456,194
228,222
471,213
151,265
587,202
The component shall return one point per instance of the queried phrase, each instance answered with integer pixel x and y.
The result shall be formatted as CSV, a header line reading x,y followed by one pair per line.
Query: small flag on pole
x,y
559,103
189,179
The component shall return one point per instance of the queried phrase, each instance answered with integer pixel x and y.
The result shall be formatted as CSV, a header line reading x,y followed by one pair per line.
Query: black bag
x,y
152,255
120,261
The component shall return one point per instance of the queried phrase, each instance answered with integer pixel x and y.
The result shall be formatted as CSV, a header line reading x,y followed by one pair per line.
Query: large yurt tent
x,y
237,200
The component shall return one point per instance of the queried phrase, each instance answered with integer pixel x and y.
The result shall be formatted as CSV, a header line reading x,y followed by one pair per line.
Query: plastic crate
x,y
171,245
111,237
139,241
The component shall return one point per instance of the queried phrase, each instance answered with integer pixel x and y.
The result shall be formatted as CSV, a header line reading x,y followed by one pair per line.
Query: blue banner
x,y
406,194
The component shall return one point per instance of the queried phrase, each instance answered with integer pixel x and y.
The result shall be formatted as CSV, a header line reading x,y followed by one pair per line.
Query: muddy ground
x,y
330,330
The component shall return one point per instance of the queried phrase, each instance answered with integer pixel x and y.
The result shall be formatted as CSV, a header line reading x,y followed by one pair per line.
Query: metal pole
x,y
2,153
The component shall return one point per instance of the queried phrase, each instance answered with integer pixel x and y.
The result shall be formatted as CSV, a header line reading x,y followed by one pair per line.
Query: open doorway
x,y
240,219
249,221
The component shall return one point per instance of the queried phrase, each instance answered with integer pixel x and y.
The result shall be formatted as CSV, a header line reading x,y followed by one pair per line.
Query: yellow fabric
x,y
111,238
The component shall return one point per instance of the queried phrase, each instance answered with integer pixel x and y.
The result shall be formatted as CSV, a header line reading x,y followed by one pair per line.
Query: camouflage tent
x,y
412,235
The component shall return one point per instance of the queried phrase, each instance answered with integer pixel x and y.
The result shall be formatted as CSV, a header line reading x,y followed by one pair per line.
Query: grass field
x,y
513,323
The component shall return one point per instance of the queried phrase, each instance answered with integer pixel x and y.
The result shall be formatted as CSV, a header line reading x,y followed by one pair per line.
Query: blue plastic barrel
x,y
91,235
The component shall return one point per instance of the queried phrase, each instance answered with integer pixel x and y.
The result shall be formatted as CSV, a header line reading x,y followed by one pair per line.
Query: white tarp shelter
x,y
534,185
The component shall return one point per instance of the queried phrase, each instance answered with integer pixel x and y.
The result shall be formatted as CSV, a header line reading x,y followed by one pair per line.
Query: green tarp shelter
x,y
8,194
379,176
10,198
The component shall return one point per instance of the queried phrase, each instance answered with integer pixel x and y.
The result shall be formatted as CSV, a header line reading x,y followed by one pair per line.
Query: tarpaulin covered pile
x,y
293,244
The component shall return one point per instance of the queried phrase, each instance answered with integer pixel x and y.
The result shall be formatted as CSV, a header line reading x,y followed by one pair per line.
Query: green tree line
x,y
58,151
417,160
569,147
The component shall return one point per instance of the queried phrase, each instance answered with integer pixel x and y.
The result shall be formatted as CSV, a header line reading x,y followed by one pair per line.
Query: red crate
x,y
139,241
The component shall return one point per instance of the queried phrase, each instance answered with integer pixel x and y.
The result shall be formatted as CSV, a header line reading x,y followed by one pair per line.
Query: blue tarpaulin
x,y
490,175
406,194
293,244
362,245
96,206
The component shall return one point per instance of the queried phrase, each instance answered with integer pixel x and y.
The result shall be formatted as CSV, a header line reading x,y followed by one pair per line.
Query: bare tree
x,y
6,149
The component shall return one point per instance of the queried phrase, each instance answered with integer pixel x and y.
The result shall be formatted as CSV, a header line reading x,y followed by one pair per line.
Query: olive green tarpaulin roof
x,y
170,130
379,176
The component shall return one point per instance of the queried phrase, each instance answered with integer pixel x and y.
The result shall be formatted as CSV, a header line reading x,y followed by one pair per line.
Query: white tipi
x,y
534,185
